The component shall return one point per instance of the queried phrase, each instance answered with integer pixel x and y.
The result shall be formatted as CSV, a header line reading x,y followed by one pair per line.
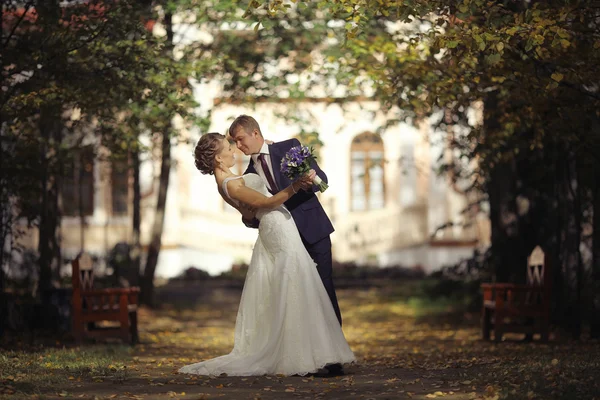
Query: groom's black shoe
x,y
335,369
321,373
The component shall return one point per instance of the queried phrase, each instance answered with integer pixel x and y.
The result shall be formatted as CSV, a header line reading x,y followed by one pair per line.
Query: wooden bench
x,y
91,305
509,307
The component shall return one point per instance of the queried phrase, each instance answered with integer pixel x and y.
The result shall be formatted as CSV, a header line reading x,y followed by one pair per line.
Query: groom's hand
x,y
306,182
248,213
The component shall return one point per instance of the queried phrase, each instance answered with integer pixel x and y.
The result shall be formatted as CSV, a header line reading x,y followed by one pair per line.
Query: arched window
x,y
241,163
77,191
367,172
119,179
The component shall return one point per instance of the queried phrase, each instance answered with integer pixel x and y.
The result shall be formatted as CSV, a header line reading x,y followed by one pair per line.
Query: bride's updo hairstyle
x,y
207,148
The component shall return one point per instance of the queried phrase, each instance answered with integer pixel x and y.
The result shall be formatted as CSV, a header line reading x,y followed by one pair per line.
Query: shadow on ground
x,y
407,347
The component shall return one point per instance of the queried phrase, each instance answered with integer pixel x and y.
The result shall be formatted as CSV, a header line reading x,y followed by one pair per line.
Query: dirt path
x,y
406,349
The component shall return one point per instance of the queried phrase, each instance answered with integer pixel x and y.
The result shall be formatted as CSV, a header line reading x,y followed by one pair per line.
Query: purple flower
x,y
297,162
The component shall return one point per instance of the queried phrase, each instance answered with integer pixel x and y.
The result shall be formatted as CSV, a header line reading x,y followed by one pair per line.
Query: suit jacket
x,y
311,220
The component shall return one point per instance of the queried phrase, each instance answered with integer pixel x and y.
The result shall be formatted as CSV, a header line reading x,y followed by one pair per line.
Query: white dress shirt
x,y
258,166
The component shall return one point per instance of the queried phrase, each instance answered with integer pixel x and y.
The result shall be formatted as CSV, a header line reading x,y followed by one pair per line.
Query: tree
x,y
534,65
238,57
89,59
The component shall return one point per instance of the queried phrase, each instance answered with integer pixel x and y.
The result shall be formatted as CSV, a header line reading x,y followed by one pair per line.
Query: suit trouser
x,y
321,254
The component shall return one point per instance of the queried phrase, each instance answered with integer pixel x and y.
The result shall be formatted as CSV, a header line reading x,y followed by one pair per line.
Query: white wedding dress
x,y
285,323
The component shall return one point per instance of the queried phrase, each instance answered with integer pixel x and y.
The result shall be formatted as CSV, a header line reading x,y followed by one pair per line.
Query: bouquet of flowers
x,y
297,163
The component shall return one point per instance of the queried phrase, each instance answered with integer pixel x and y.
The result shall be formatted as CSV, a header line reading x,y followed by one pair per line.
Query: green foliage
x,y
531,69
88,62
422,55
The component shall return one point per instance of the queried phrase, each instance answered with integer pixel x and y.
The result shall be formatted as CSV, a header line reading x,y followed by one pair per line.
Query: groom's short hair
x,y
245,122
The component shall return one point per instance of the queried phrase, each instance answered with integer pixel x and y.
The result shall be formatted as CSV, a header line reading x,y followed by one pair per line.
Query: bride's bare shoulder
x,y
221,179
230,181
235,182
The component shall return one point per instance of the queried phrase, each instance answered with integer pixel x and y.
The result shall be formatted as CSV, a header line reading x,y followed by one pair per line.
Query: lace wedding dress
x,y
285,323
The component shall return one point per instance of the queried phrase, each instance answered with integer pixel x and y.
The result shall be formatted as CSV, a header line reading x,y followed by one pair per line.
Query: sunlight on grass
x,y
72,359
372,305
34,372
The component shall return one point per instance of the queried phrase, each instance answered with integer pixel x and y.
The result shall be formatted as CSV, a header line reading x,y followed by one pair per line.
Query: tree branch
x,y
12,32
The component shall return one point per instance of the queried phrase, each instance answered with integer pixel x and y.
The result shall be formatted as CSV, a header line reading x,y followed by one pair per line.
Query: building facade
x,y
384,198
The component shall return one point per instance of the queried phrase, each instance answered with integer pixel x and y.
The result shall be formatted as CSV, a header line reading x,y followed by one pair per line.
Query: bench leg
x,y
77,328
124,317
486,323
531,323
545,330
124,328
498,327
133,328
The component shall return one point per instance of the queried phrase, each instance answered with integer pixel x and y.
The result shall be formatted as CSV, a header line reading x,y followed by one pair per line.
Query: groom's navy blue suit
x,y
310,218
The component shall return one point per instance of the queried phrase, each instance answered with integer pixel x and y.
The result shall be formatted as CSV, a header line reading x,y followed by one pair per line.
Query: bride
x,y
285,323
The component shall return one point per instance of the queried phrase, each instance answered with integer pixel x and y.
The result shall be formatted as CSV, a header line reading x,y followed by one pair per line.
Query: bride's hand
x,y
306,182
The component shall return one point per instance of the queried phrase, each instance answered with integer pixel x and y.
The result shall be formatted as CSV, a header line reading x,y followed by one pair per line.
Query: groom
x,y
310,218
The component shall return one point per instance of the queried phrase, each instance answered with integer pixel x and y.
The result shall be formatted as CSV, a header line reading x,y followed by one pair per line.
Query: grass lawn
x,y
407,346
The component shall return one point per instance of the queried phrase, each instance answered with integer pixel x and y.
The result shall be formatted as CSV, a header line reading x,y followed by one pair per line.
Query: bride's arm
x,y
247,212
239,191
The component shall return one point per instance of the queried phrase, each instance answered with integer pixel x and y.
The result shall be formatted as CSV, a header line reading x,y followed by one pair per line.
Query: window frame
x,y
73,167
127,172
367,143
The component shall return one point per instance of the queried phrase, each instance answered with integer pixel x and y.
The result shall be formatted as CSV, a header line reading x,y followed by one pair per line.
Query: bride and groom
x,y
288,320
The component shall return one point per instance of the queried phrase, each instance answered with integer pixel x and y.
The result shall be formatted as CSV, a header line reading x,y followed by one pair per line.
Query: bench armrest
x,y
503,286
110,291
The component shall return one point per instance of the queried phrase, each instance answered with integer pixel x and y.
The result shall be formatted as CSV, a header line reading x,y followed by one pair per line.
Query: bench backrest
x,y
83,273
536,267
538,275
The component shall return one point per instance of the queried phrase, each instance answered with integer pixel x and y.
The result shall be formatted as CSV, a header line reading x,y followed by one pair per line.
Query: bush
x,y
461,281
237,271
192,274
353,271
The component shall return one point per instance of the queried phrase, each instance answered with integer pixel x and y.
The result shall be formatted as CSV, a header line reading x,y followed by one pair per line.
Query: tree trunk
x,y
80,201
49,223
572,269
50,125
147,283
508,251
136,247
595,311
5,212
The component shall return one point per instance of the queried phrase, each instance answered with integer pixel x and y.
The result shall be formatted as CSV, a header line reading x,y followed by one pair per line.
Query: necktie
x,y
267,172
